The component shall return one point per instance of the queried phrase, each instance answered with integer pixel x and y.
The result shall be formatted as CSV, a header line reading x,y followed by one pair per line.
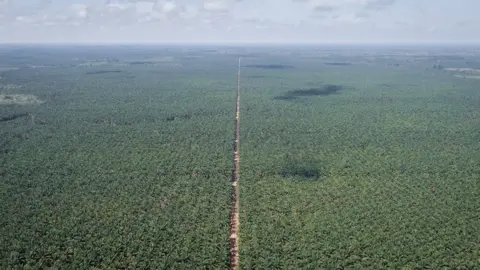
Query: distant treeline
x,y
325,90
270,66
102,72
338,64
13,117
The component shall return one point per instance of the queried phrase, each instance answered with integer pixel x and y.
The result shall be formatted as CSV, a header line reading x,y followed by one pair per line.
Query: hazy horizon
x,y
237,43
240,21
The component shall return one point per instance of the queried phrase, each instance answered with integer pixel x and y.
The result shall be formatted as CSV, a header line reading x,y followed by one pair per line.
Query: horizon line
x,y
248,43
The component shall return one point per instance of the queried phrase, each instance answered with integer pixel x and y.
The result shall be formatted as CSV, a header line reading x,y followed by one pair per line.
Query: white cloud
x,y
118,6
379,4
348,5
80,10
188,12
218,5
238,20
144,7
169,7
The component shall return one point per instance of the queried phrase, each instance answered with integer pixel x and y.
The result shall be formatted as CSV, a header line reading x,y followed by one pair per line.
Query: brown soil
x,y
234,221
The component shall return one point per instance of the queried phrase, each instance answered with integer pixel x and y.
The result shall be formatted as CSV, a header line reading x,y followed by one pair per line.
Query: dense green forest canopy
x,y
360,157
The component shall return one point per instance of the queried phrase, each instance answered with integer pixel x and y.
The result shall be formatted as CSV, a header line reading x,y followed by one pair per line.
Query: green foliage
x,y
106,181
397,159
127,163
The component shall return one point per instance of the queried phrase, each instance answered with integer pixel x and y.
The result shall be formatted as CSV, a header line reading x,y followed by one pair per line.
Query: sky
x,y
239,21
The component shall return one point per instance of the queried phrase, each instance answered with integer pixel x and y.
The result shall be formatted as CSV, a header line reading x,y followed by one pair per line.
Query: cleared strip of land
x,y
234,222
472,70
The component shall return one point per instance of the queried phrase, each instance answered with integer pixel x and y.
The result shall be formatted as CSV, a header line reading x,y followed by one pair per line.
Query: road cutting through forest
x,y
234,219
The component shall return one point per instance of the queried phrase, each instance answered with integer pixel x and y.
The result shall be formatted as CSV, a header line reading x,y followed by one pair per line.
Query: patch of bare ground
x,y
234,216
467,76
9,86
19,99
465,73
466,70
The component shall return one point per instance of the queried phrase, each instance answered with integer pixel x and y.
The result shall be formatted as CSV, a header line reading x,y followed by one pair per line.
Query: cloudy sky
x,y
284,21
